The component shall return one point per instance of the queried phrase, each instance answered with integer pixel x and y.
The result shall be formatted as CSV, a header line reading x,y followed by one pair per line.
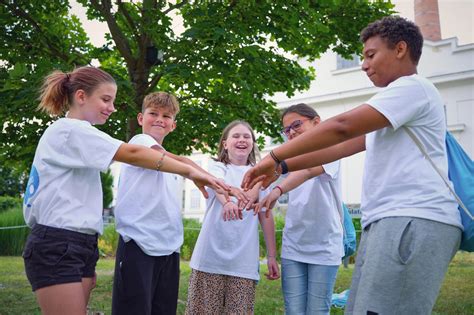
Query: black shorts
x,y
56,256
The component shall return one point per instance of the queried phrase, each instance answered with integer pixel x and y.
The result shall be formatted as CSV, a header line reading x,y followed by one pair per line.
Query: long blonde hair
x,y
223,155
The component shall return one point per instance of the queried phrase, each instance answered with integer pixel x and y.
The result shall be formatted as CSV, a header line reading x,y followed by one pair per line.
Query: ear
x,y
316,120
140,119
173,127
80,97
401,49
224,144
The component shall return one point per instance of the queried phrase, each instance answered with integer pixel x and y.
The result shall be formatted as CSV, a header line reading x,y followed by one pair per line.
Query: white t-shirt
x,y
147,209
227,247
313,226
398,181
64,189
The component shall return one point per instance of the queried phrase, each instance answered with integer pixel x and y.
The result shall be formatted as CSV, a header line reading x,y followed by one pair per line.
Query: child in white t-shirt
x,y
312,244
411,224
63,200
225,261
148,219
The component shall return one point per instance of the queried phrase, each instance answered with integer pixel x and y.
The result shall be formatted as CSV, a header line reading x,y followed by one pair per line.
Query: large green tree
x,y
224,63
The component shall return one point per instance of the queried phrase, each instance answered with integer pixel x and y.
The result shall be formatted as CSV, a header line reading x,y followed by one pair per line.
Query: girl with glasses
x,y
312,245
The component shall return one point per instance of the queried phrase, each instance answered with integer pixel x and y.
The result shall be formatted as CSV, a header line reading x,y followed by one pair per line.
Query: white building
x,y
341,85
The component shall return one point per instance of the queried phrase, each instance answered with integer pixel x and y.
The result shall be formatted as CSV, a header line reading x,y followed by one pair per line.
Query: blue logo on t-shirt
x,y
32,186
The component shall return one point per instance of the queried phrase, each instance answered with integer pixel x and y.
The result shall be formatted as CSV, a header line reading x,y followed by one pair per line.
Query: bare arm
x,y
297,178
341,128
333,153
268,227
149,158
348,125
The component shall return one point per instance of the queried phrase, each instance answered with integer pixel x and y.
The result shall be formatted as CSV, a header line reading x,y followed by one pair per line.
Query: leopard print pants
x,y
210,293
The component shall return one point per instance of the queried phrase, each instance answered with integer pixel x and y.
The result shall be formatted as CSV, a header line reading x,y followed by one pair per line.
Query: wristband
x,y
274,157
279,188
284,167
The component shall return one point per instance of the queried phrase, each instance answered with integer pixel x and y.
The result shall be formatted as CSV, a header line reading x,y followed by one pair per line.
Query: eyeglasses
x,y
294,125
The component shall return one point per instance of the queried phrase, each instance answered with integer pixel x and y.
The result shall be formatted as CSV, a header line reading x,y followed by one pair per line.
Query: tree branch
x,y
119,38
128,18
154,82
176,6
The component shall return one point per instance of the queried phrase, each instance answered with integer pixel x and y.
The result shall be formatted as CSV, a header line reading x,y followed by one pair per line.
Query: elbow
x,y
343,129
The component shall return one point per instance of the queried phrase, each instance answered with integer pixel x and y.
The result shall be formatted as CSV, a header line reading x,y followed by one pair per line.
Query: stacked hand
x,y
264,171
268,202
202,179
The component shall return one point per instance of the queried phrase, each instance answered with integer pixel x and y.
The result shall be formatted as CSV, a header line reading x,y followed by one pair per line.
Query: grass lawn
x,y
456,295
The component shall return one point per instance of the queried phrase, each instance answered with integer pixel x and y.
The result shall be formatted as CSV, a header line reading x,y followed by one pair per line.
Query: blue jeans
x,y
307,288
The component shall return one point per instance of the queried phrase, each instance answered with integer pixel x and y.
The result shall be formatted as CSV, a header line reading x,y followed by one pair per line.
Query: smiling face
x,y
98,106
297,124
157,122
239,144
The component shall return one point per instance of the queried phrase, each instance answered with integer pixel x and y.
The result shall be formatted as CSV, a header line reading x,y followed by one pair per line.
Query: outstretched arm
x,y
337,130
152,159
294,179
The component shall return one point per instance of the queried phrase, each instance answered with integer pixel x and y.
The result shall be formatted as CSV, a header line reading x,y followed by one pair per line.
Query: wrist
x,y
278,187
225,203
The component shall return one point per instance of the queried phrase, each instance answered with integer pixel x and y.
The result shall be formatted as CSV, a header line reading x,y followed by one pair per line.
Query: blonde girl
x,y
225,261
63,200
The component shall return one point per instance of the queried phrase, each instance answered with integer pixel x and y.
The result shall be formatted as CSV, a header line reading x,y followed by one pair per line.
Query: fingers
x,y
221,184
255,181
273,270
248,177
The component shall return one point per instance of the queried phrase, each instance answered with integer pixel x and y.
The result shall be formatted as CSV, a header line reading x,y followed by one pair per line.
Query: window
x,y
195,198
343,63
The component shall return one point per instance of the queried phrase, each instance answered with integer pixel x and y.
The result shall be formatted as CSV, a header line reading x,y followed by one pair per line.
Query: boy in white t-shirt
x,y
149,222
411,224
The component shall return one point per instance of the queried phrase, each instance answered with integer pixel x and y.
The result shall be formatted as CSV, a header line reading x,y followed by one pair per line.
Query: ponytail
x,y
58,88
54,94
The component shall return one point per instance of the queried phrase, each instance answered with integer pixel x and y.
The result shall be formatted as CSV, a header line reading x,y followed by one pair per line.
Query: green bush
x,y
12,240
191,233
7,203
108,241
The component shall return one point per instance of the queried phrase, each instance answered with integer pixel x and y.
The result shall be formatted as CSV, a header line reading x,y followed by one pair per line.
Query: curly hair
x,y
394,29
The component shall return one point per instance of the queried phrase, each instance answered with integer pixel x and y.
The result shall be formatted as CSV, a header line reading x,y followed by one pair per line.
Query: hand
x,y
273,269
242,196
268,202
202,179
254,195
263,172
230,211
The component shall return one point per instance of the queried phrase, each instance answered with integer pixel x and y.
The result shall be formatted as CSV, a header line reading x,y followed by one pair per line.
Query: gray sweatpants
x,y
400,266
